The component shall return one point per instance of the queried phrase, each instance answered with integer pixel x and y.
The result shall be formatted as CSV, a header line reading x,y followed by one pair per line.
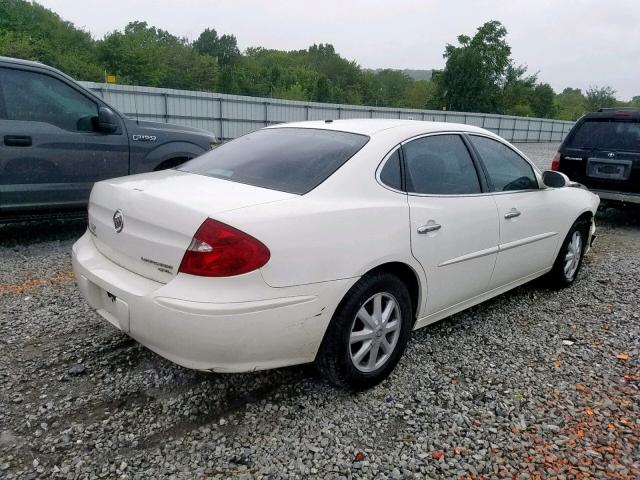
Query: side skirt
x,y
434,317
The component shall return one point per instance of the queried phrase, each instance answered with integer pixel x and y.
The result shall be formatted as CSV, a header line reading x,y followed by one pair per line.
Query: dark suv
x,y
602,151
58,138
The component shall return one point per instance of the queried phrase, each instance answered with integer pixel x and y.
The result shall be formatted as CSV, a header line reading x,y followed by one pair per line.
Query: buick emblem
x,y
611,155
118,221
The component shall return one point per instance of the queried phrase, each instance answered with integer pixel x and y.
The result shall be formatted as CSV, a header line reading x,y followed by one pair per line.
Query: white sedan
x,y
325,242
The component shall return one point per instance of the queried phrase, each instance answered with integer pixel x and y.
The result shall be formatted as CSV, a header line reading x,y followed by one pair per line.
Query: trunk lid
x,y
145,223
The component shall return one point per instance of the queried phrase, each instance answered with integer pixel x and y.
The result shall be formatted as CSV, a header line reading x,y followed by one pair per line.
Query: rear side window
x,y
391,175
607,135
507,170
293,160
440,165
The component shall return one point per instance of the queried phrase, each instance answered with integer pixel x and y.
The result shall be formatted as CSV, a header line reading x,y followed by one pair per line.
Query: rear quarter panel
x,y
315,240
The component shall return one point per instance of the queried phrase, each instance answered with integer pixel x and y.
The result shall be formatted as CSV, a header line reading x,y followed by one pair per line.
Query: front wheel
x,y
368,333
569,260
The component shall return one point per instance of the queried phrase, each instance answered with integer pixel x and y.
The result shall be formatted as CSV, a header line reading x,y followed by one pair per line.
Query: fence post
x,y
222,137
166,107
540,131
306,112
266,114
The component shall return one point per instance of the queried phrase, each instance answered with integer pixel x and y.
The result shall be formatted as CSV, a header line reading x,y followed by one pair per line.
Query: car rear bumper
x,y
612,196
268,331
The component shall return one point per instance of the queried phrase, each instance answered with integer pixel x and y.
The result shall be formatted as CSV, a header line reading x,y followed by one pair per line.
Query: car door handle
x,y
513,213
429,227
17,140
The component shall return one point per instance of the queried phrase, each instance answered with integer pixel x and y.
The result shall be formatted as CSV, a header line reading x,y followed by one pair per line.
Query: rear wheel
x,y
569,260
368,333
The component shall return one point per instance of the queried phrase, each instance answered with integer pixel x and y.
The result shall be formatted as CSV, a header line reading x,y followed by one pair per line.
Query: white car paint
x,y
321,243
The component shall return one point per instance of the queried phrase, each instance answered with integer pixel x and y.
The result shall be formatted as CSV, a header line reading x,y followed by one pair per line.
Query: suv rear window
x,y
293,160
607,135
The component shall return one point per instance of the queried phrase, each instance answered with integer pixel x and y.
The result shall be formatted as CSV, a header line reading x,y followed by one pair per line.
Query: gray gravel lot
x,y
533,384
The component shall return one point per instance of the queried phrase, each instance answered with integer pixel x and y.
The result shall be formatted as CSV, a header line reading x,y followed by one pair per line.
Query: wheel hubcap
x,y
572,257
375,332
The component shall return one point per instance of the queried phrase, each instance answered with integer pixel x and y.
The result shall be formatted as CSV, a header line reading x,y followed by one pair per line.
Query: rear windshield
x,y
293,160
607,135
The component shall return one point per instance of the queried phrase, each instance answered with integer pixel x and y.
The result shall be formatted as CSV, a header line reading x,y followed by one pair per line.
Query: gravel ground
x,y
533,384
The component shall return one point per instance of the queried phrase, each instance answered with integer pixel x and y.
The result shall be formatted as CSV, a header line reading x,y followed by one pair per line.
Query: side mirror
x,y
107,120
554,179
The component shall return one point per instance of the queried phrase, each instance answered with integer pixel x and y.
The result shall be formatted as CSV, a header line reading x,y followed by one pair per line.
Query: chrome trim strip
x,y
470,256
499,248
526,241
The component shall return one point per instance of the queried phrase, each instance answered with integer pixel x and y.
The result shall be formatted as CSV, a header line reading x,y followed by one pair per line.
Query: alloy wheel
x,y
572,257
375,332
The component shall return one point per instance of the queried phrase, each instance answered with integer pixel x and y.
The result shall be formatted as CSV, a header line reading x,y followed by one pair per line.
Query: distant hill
x,y
413,74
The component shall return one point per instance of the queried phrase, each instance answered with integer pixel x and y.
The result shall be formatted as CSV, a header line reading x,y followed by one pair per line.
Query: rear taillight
x,y
555,163
219,250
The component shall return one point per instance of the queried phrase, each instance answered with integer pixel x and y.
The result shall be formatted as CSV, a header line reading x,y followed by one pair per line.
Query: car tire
x,y
368,333
569,260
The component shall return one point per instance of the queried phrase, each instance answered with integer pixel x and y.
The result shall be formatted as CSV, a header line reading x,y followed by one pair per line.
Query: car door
x,y
530,215
454,224
50,151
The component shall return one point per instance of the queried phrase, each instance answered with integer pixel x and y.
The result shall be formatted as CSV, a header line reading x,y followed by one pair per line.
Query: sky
x,y
571,43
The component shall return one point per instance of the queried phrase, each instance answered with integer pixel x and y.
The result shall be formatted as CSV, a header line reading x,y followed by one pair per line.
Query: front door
x,y
530,218
50,151
454,225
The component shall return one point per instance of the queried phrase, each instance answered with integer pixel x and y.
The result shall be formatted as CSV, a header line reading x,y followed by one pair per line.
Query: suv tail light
x,y
555,163
219,250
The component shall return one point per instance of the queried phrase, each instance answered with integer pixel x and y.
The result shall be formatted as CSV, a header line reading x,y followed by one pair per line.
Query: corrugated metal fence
x,y
229,116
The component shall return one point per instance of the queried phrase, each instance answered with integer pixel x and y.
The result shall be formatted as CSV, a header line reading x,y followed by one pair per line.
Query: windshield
x,y
607,135
293,160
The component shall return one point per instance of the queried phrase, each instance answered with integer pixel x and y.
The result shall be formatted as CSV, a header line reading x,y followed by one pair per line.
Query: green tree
x,y
570,104
542,101
144,55
475,70
224,49
517,91
420,94
600,97
32,32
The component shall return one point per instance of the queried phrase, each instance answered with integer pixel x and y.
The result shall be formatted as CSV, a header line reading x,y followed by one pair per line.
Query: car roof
x,y
26,63
372,126
622,113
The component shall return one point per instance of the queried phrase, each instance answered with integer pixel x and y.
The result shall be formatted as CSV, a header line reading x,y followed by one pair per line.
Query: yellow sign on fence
x,y
111,78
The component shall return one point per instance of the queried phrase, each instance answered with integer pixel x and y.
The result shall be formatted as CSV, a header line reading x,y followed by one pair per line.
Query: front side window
x,y
35,97
293,160
440,165
507,170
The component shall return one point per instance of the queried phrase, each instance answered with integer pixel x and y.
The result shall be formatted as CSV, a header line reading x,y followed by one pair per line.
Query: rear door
x,y
530,217
604,153
50,153
454,224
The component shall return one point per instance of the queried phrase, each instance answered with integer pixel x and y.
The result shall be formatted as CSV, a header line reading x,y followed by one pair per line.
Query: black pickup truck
x,y
57,138
602,152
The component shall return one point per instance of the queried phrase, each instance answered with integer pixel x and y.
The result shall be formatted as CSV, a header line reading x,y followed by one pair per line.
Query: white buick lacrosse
x,y
325,242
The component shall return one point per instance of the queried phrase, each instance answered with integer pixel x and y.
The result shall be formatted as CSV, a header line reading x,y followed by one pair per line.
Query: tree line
x,y
479,73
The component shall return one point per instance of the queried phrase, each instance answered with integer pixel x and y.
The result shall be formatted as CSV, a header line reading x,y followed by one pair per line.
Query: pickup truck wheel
x,y
368,333
569,260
